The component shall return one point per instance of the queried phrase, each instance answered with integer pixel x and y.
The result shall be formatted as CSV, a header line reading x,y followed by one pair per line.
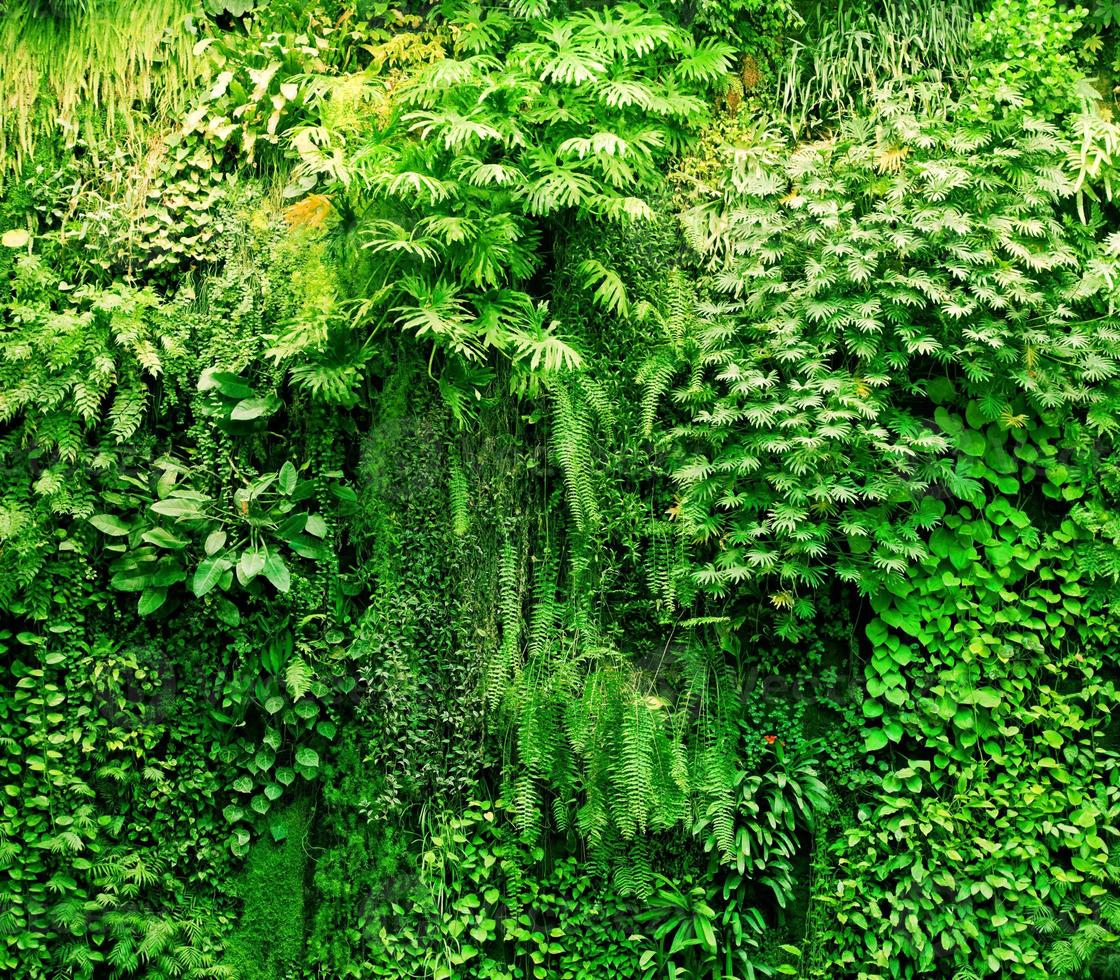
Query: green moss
x,y
268,943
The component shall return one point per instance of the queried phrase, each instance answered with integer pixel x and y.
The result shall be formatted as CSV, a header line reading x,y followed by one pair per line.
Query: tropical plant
x,y
553,489
240,539
458,192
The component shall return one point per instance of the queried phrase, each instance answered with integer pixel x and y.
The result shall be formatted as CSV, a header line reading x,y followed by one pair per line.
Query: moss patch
x,y
268,943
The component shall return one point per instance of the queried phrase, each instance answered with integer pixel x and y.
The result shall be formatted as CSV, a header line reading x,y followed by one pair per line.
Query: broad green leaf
x,y
971,442
208,574
179,507
151,600
163,538
227,612
277,572
875,739
288,478
228,384
131,581
250,565
254,408
108,524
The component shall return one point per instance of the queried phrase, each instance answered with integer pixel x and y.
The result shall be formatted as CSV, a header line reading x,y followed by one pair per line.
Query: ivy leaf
x,y
875,739
971,443
987,697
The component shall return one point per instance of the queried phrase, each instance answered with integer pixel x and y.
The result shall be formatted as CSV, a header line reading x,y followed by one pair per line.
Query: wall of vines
x,y
559,489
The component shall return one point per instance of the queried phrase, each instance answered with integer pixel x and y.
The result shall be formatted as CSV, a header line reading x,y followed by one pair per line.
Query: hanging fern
x,y
458,494
89,69
545,613
506,661
571,448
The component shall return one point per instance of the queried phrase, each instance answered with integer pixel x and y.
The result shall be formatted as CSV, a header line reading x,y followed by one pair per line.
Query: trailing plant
x,y
85,73
487,903
852,50
527,489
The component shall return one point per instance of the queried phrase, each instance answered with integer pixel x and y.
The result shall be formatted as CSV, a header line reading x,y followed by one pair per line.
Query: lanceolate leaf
x,y
277,572
151,600
208,574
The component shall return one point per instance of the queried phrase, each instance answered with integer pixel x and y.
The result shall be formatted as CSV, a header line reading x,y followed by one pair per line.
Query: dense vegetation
x,y
559,489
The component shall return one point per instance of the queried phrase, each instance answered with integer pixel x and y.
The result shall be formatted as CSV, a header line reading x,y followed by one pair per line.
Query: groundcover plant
x,y
559,489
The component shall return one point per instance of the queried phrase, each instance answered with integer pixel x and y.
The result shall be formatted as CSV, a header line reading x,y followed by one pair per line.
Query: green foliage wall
x,y
547,489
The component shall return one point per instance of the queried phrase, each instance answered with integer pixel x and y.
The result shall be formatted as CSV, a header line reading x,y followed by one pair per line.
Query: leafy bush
x,y
1028,61
857,287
